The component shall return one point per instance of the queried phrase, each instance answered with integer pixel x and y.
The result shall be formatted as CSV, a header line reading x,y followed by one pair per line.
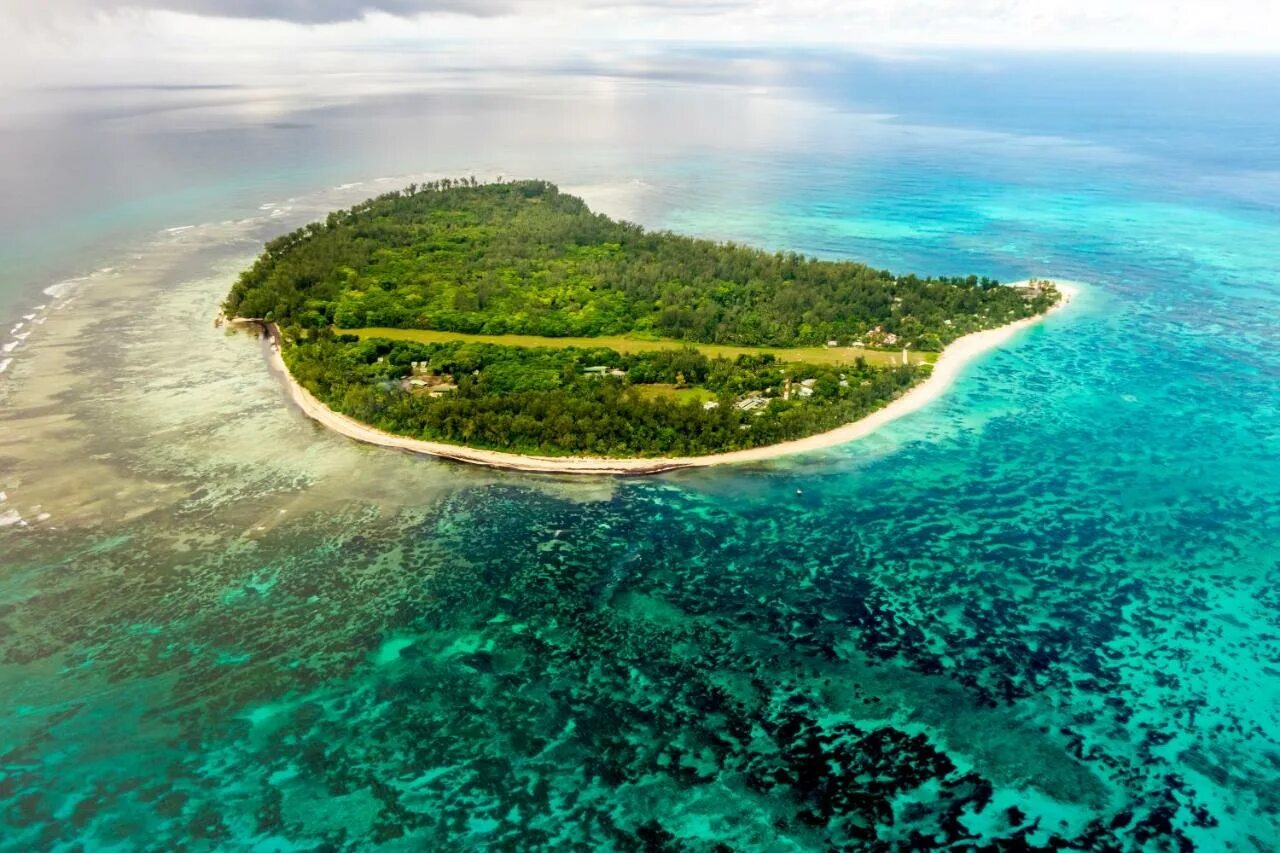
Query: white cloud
x,y
298,11
109,40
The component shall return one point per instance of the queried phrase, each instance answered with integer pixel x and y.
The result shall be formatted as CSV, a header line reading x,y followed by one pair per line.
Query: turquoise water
x,y
1040,613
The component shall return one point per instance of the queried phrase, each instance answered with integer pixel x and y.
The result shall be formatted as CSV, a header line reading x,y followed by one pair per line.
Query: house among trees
x,y
1034,288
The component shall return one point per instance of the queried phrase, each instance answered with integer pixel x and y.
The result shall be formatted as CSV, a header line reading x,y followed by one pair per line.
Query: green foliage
x,y
540,400
523,258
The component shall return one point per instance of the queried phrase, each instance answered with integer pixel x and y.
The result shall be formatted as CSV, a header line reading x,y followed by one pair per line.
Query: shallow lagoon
x,y
1043,609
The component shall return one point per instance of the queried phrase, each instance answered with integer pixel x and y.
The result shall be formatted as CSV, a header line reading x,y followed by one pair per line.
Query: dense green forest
x,y
523,258
587,402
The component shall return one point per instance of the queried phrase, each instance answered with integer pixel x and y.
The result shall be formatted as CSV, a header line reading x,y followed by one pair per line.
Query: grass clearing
x,y
672,392
624,344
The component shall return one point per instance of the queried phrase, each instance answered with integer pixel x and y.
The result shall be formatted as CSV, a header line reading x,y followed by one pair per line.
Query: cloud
x,y
337,11
294,11
1151,25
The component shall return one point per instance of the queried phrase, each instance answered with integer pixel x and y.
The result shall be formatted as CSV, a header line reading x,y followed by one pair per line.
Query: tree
x,y
522,258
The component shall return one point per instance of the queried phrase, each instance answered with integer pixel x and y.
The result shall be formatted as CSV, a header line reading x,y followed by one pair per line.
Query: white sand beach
x,y
948,366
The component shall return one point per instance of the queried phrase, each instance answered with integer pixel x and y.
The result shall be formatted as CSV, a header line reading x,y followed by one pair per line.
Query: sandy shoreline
x,y
945,371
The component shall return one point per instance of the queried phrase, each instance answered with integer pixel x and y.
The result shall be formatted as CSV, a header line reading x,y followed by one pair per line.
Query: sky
x,y
70,42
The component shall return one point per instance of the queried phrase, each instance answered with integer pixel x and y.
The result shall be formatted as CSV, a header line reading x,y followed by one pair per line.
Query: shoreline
x,y
946,369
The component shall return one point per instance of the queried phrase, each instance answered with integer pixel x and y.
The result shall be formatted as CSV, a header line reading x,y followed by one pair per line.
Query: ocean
x,y
1042,611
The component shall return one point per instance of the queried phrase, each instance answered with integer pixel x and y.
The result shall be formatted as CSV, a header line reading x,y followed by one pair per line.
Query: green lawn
x,y
624,344
680,395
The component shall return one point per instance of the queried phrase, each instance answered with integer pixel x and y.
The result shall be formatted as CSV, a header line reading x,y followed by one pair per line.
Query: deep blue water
x,y
1040,612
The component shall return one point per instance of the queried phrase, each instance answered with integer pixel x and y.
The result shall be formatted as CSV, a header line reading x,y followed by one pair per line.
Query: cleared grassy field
x,y
671,392
621,343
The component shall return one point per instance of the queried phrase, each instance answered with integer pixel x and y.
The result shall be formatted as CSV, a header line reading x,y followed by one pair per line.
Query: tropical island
x,y
506,323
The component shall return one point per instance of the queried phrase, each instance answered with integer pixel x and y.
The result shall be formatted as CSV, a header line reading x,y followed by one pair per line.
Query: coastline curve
x,y
945,371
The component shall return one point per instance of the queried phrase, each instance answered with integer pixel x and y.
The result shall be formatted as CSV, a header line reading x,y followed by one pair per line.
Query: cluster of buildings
x,y
878,337
422,381
757,401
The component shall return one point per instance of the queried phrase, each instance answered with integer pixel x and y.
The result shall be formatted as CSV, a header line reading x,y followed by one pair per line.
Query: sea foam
x,y
62,288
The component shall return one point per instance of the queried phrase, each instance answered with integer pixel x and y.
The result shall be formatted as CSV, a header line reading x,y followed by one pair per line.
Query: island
x,y
509,325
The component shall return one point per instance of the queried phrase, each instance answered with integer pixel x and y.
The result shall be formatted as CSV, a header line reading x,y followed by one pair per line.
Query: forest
x,y
523,258
566,401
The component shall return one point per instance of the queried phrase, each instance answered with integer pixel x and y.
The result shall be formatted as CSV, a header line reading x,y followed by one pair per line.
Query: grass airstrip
x,y
626,344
